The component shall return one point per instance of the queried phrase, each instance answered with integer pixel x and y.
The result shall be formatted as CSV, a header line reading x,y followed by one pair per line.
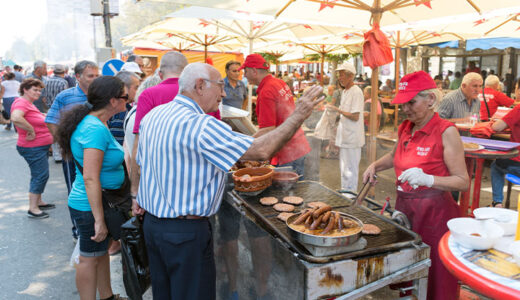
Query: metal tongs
x,y
363,192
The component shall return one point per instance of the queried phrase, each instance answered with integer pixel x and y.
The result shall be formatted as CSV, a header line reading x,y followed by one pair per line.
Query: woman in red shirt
x,y
428,159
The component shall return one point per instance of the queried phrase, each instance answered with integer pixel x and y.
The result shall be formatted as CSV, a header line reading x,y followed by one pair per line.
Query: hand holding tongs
x,y
363,192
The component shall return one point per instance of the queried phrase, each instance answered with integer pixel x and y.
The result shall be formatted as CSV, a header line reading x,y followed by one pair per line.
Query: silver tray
x,y
325,241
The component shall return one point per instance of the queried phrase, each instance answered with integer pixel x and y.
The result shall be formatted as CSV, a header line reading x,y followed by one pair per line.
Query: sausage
x,y
340,223
326,216
330,225
308,222
316,222
302,217
321,210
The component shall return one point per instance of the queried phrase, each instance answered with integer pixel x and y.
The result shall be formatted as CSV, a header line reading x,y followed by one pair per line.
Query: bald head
x,y
172,64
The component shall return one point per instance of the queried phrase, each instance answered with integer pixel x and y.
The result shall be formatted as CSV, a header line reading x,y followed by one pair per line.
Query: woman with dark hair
x,y
11,87
34,140
83,135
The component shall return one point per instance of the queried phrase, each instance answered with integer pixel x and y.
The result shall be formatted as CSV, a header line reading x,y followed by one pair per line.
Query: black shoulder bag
x,y
116,204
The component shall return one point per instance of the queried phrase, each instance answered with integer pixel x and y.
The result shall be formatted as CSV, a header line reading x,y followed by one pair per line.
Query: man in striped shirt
x,y
458,105
184,155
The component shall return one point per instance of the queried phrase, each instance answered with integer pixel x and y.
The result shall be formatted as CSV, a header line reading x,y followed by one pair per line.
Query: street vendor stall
x,y
288,268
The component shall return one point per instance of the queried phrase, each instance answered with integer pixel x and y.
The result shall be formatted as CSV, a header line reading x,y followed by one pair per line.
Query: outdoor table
x,y
477,158
481,280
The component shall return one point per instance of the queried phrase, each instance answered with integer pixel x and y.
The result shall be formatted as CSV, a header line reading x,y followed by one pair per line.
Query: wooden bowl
x,y
261,178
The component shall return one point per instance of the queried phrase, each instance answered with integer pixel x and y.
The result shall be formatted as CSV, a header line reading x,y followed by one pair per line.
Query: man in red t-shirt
x,y
274,104
501,167
494,98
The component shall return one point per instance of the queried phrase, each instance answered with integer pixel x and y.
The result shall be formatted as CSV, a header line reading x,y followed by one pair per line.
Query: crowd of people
x,y
163,136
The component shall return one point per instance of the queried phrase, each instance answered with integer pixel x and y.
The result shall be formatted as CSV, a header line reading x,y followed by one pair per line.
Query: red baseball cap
x,y
255,61
411,84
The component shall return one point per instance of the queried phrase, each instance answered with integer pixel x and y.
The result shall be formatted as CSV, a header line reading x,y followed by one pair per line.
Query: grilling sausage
x,y
321,210
326,216
330,225
317,221
302,217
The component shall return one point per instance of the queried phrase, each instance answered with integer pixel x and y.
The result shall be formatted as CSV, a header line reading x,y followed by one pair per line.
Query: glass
x,y
124,97
220,83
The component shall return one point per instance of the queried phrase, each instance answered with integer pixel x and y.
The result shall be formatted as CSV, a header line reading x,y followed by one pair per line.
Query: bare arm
x,y
135,176
384,163
53,128
454,160
499,125
92,161
265,146
263,131
17,116
351,116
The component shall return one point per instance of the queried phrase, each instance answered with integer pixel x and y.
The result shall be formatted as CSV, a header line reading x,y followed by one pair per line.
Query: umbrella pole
x,y
374,103
397,62
322,71
250,86
205,48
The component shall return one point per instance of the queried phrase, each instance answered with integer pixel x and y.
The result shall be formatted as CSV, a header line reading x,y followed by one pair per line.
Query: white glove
x,y
416,177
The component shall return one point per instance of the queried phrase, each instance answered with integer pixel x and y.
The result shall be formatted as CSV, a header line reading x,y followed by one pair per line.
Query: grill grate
x,y
392,237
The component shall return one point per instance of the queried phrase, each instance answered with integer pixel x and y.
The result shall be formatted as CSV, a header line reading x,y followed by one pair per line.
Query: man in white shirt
x,y
350,136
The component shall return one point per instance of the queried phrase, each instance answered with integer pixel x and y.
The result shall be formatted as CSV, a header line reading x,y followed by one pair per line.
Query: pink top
x,y
154,96
37,121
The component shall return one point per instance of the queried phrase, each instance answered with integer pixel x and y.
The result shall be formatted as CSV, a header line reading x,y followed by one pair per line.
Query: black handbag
x,y
5,115
116,204
136,271
120,198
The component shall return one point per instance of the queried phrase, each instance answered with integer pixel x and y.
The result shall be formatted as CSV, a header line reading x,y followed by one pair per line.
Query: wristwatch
x,y
133,196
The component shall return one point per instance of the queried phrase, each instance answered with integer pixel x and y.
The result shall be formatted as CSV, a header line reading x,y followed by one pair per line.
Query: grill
x,y
392,237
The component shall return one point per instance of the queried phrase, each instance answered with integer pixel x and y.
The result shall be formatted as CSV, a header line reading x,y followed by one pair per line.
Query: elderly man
x,y
172,64
236,90
350,136
460,104
39,72
275,103
184,155
493,97
115,124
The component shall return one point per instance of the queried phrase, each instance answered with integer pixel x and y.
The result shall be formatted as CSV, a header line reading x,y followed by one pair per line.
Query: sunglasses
x,y
124,97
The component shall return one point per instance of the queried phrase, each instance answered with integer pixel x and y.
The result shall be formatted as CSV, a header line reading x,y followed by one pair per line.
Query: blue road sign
x,y
111,67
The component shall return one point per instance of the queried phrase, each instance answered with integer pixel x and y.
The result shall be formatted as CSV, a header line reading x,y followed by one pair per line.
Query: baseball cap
x,y
347,67
131,67
59,69
411,84
255,61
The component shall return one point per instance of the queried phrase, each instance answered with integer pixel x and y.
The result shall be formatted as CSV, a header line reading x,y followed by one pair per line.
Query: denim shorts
x,y
84,221
38,161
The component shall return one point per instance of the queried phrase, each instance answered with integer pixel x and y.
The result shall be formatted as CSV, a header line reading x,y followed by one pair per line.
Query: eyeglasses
x,y
124,97
220,83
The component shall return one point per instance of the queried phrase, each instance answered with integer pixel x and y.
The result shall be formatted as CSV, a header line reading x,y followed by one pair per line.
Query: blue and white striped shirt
x,y
184,155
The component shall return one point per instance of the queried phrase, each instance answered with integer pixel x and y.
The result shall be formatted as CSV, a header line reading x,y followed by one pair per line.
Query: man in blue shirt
x,y
236,90
184,155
